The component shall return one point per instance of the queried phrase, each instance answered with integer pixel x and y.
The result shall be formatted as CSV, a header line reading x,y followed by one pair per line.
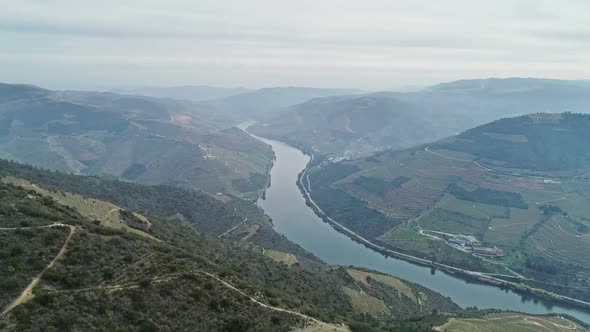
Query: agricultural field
x,y
322,327
471,209
510,322
531,215
365,278
453,222
106,213
364,303
370,289
559,239
408,237
508,232
281,257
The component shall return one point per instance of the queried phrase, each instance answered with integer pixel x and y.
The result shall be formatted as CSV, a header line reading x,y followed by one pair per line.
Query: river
x,y
285,204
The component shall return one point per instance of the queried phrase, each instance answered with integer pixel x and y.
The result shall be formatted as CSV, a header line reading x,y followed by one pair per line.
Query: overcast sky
x,y
370,44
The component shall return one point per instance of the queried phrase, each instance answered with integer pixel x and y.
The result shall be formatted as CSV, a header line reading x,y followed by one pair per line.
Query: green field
x,y
364,277
407,237
453,222
559,240
472,209
508,232
281,257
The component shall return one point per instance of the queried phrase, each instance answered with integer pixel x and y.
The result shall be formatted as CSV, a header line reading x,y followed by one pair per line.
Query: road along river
x,y
285,204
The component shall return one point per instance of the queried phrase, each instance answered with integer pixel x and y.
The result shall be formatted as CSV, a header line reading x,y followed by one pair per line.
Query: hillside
x,y
353,126
140,139
508,197
350,126
262,103
157,270
542,142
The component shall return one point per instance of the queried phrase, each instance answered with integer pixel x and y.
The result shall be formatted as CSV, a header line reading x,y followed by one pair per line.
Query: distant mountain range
x,y
260,104
348,126
506,85
148,139
240,104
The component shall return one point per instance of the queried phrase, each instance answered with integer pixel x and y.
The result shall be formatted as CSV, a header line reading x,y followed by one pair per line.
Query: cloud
x,y
267,42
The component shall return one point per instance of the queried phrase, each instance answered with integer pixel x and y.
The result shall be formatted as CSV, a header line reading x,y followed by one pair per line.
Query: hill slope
x,y
140,139
542,142
266,102
508,197
351,126
184,275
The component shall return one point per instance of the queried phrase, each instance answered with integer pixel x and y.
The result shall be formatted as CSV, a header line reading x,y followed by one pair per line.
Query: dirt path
x,y
421,231
27,294
57,224
318,325
491,228
328,327
232,229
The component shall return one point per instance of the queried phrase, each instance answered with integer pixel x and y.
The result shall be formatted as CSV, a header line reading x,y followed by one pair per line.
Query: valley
x,y
295,166
444,216
354,126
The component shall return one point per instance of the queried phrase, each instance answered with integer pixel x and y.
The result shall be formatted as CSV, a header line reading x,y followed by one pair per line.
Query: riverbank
x,y
486,278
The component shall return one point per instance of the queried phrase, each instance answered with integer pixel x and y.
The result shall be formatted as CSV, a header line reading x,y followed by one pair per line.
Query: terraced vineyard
x,y
366,304
462,205
281,257
102,212
366,277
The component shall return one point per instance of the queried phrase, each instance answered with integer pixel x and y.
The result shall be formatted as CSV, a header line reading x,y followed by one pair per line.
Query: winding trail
x,y
427,149
27,294
264,305
317,323
232,229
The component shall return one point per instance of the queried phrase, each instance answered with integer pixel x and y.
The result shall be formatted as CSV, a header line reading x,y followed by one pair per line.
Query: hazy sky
x,y
370,44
